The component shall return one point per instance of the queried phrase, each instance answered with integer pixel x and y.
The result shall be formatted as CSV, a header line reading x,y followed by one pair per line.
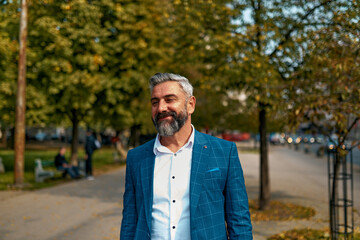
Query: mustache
x,y
165,114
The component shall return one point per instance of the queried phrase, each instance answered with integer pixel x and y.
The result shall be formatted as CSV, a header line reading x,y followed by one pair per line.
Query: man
x,y
62,165
90,147
183,184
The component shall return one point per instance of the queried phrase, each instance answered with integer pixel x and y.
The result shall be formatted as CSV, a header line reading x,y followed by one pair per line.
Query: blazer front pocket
x,y
213,179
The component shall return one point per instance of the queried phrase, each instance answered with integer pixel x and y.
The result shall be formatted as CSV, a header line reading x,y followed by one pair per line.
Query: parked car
x,y
236,136
41,136
277,138
319,139
293,139
330,145
308,138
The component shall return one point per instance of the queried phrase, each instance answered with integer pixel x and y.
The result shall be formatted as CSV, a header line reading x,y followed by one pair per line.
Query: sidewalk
x,y
298,178
78,210
284,190
92,209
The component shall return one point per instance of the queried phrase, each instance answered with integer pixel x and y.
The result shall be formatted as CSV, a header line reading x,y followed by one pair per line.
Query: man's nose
x,y
162,106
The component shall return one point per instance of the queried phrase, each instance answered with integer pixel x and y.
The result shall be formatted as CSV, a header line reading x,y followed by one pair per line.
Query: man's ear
x,y
191,105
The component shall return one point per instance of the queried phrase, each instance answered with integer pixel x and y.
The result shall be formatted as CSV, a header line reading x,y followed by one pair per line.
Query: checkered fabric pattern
x,y
218,199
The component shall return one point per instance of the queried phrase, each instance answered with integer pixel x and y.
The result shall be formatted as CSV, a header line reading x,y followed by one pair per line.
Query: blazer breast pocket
x,y
213,179
213,173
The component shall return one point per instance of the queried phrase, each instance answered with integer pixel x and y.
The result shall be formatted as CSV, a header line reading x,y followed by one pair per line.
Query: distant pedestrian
x,y
90,147
62,165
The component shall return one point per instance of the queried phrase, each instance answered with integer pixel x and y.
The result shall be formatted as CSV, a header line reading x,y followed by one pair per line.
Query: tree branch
x,y
291,30
349,129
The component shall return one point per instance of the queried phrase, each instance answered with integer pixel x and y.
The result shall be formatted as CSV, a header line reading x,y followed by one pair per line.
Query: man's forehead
x,y
167,88
165,96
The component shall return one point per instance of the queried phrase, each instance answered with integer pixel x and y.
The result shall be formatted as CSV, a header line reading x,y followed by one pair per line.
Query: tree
x,y
36,105
199,39
8,70
135,50
67,54
20,99
271,36
92,59
326,93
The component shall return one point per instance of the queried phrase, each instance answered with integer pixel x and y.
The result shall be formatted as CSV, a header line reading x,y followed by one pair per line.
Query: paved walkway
x,y
78,210
92,209
298,178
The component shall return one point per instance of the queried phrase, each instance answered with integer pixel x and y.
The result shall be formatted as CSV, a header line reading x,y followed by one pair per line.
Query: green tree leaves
x,y
95,57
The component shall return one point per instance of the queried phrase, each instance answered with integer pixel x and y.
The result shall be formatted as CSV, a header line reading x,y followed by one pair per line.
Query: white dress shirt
x,y
171,190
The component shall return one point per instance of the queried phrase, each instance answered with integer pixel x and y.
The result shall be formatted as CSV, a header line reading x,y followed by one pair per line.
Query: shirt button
x,y
174,201
173,177
175,154
173,227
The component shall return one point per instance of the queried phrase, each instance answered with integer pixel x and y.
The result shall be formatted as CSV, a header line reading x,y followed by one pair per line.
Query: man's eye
x,y
170,100
154,103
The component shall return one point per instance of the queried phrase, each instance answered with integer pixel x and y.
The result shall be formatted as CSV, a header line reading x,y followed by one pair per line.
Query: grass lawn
x,y
280,211
102,162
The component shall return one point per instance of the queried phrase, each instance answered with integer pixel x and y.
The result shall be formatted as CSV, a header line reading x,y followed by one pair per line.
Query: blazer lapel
x,y
198,167
147,177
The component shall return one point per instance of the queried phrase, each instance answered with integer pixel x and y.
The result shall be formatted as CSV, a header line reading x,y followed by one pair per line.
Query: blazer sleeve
x,y
237,213
128,223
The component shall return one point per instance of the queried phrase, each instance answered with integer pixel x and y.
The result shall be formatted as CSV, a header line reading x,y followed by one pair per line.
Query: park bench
x,y
41,174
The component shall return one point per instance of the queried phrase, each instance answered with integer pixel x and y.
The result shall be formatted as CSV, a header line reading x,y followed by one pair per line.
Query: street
x,y
314,148
299,169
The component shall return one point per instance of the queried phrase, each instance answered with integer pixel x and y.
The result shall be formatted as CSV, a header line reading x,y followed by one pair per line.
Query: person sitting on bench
x,y
62,165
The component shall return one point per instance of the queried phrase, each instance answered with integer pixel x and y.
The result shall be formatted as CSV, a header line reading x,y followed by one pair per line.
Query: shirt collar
x,y
158,147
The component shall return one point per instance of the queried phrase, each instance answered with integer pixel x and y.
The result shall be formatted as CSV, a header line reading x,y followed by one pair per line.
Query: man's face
x,y
170,110
62,151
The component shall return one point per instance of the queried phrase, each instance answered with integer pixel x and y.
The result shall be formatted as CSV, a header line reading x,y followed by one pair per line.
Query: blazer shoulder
x,y
214,140
142,150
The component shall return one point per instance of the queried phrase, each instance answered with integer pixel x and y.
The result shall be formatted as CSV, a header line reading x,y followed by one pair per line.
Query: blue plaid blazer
x,y
218,199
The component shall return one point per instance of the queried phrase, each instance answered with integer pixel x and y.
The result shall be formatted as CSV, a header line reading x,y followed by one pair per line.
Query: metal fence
x,y
341,195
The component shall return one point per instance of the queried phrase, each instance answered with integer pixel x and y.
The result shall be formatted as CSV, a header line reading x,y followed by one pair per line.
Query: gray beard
x,y
166,128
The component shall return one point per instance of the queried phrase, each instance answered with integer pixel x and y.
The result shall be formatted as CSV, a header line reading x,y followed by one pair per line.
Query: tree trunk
x,y
264,198
334,197
20,100
75,136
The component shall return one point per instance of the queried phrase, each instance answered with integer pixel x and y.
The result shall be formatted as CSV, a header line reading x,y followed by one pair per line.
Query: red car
x,y
236,136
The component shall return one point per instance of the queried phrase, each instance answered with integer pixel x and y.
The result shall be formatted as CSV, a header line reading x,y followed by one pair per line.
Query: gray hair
x,y
164,77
